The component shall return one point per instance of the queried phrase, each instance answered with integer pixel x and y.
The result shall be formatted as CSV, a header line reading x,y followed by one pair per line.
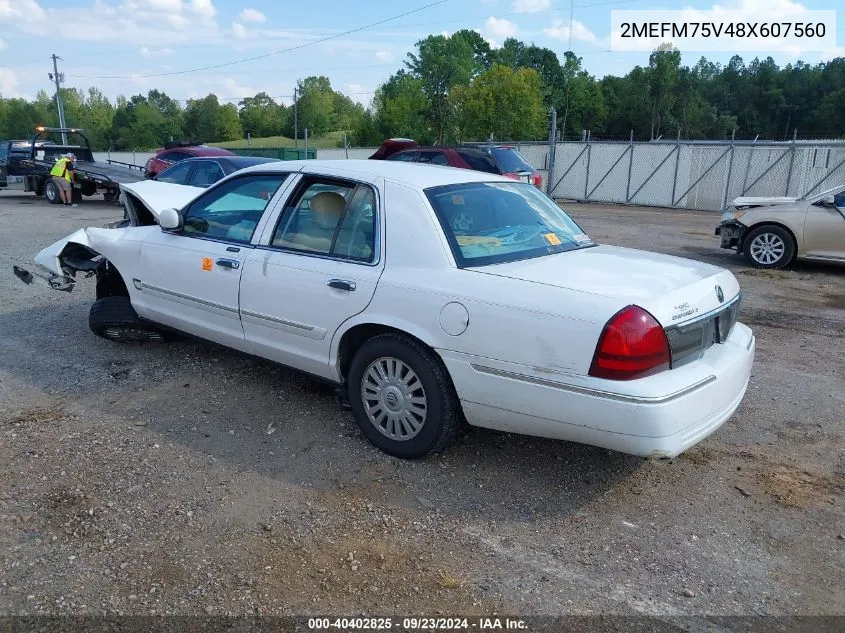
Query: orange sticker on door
x,y
552,239
207,263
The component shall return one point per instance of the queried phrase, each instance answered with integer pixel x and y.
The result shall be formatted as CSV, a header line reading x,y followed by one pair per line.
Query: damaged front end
x,y
731,229
75,256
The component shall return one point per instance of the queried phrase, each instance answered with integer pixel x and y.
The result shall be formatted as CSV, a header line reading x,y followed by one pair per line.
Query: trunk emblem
x,y
719,294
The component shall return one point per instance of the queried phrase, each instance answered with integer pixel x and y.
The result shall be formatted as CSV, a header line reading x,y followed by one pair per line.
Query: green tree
x,y
227,124
262,116
316,103
402,109
201,118
663,71
504,102
441,63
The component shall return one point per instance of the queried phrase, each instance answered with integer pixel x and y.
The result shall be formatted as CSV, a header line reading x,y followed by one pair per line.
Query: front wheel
x,y
51,192
114,318
769,247
402,397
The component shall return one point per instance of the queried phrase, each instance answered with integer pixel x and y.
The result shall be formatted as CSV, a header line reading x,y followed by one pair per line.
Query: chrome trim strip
x,y
598,393
266,317
211,304
704,317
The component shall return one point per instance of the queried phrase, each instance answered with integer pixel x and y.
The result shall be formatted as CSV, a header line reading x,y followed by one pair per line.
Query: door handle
x,y
228,263
233,249
342,284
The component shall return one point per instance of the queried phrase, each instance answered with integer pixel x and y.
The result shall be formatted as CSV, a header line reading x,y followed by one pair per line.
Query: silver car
x,y
773,232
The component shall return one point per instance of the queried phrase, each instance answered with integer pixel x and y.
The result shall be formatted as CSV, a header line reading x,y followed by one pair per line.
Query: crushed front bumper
x,y
731,232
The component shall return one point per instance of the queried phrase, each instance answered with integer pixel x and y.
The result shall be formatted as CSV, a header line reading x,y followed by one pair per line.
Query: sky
x,y
126,47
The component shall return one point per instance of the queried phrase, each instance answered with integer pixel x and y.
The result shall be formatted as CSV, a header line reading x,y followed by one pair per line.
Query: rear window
x,y
495,222
510,160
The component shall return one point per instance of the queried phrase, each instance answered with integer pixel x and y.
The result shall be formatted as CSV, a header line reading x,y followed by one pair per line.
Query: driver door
x,y
191,277
824,229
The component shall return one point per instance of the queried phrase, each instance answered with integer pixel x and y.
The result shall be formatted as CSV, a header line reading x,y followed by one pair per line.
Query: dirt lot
x,y
182,478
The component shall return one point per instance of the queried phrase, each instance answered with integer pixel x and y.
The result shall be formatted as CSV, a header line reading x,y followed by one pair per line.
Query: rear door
x,y
314,268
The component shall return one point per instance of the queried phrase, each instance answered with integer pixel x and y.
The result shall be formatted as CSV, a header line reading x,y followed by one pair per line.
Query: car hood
x,y
761,201
673,289
157,196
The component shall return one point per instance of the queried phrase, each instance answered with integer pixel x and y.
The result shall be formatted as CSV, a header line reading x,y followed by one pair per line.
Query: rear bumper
x,y
668,421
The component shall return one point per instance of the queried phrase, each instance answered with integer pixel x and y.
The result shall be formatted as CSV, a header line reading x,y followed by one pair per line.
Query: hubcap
x,y
394,399
767,248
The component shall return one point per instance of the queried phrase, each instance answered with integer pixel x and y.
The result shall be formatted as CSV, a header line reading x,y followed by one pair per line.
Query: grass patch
x,y
327,140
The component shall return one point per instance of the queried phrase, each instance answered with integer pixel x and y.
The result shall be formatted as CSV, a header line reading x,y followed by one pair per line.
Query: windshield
x,y
510,160
495,222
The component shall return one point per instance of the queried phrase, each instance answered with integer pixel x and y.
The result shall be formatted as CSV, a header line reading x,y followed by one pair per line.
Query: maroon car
x,y
504,160
177,151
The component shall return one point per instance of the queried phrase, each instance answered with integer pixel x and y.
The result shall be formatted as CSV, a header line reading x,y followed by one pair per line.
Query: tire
x,y
51,192
114,319
436,409
769,246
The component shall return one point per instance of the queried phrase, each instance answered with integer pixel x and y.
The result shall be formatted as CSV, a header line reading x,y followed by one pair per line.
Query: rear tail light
x,y
538,181
632,345
512,175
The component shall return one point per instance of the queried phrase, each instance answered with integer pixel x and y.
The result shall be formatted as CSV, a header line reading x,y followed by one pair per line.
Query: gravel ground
x,y
182,478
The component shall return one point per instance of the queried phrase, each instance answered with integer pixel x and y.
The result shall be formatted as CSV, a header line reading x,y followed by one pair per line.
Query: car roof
x,y
415,175
204,150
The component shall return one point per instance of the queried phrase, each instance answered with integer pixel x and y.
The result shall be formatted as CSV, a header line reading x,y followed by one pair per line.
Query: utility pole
x,y
295,121
58,79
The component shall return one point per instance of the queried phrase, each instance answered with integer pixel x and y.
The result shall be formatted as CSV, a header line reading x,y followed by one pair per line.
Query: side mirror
x,y
171,220
828,201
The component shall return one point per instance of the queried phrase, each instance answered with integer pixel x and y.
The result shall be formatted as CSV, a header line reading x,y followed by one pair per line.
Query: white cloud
x,y
3,45
529,6
384,56
497,29
252,15
353,88
8,83
21,10
147,53
239,31
202,8
233,89
154,22
560,31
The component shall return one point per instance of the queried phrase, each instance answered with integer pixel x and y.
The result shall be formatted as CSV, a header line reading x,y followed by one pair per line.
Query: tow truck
x,y
26,165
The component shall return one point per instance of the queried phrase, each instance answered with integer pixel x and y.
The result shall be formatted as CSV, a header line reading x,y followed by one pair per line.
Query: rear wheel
x,y
115,319
51,192
769,247
402,397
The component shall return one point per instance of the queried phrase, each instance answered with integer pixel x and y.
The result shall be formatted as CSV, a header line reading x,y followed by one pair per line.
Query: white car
x,y
432,296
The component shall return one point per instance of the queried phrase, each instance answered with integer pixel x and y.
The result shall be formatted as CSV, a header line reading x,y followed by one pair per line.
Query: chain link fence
x,y
701,175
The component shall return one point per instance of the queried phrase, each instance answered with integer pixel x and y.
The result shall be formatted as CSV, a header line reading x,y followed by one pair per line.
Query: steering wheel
x,y
515,235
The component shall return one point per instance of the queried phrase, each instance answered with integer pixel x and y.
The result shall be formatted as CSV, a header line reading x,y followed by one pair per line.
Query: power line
x,y
273,53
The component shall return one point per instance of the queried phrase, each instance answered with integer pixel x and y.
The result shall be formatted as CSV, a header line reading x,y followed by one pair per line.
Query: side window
x,y
479,161
336,219
206,173
232,210
174,157
4,151
175,174
839,200
408,157
434,157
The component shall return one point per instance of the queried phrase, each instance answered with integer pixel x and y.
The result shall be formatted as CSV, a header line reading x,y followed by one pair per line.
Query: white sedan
x,y
431,296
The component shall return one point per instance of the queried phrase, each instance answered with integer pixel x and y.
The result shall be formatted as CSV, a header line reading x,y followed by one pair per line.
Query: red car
x,y
504,160
180,150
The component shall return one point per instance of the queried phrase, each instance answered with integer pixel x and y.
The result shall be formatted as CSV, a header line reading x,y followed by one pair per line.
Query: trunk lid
x,y
673,289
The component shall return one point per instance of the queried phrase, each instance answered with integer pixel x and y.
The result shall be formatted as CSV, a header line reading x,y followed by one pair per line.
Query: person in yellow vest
x,y
62,175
